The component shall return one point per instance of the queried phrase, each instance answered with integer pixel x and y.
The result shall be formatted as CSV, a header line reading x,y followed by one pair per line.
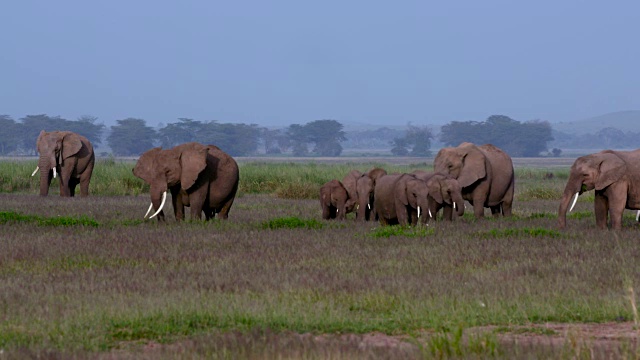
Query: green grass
x,y
100,279
292,222
10,216
405,231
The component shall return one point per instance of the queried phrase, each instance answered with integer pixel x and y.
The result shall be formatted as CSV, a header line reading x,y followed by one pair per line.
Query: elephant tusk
x,y
418,212
54,172
431,216
638,216
368,206
575,199
454,205
35,171
164,198
148,211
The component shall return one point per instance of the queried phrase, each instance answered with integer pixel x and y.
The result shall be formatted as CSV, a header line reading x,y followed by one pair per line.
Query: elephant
x,y
444,193
349,182
69,154
200,176
400,198
485,174
333,199
365,186
615,177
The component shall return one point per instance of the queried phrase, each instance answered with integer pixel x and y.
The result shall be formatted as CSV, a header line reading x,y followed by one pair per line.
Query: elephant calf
x,y
444,193
333,199
400,198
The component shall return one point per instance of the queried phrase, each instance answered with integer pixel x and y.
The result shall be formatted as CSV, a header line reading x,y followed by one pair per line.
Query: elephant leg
x,y
616,210
507,202
478,206
64,187
84,183
197,204
601,208
326,211
176,201
401,213
447,212
224,212
495,210
73,182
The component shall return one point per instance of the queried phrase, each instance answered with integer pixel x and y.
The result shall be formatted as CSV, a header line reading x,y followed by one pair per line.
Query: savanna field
x,y
88,278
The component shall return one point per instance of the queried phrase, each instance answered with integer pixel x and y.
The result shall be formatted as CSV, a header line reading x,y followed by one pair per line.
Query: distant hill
x,y
623,120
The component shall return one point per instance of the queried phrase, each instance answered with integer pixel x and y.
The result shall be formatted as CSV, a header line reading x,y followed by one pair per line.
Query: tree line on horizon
x,y
132,136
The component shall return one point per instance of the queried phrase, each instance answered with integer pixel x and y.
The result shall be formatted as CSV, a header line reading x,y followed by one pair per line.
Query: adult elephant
x,y
333,199
365,195
445,193
400,199
349,182
615,177
485,174
200,176
68,154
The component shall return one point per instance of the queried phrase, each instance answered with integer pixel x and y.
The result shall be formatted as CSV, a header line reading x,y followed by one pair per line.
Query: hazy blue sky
x,y
294,61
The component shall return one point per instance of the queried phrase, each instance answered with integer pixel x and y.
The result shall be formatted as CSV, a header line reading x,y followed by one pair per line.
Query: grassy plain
x,y
86,277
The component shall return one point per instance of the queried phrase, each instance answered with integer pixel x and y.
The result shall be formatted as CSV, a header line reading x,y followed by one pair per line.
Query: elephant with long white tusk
x,y
202,177
615,178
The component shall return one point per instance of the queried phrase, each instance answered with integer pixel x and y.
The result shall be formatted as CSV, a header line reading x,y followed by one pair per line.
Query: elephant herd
x,y
484,176
205,178
202,177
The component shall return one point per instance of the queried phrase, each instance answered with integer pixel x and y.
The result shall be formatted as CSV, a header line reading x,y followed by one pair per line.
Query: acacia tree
x,y
8,140
131,137
183,131
514,137
326,136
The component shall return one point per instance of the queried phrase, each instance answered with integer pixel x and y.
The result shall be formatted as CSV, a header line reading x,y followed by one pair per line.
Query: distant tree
x,y
131,137
326,135
516,138
298,139
556,152
400,146
8,140
275,141
456,132
181,132
419,137
235,139
30,128
87,126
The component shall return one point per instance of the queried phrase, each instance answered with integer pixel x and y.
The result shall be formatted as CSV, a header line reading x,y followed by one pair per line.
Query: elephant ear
x,y
612,168
71,145
193,161
400,192
435,191
473,166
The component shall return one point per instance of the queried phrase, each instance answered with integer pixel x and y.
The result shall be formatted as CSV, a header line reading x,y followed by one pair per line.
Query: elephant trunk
x,y
158,198
364,207
571,190
44,164
459,201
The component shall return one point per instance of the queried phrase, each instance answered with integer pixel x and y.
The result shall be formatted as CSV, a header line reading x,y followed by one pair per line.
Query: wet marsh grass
x,y
122,283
